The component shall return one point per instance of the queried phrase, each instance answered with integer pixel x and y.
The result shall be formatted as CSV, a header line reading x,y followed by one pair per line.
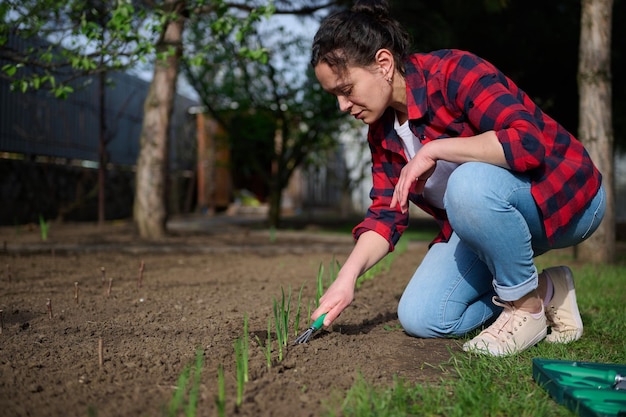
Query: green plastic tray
x,y
586,388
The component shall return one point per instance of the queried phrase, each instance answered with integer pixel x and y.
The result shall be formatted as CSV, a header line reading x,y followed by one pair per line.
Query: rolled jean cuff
x,y
518,291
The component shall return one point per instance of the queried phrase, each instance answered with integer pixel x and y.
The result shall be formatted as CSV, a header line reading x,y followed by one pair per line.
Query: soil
x,y
196,287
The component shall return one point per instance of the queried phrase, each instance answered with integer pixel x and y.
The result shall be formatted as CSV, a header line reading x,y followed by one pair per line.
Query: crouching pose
x,y
452,134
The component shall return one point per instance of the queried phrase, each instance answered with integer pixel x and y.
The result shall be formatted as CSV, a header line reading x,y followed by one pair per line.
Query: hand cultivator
x,y
317,324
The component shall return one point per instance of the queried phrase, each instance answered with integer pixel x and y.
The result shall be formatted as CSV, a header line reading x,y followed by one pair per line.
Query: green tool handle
x,y
607,375
317,324
584,382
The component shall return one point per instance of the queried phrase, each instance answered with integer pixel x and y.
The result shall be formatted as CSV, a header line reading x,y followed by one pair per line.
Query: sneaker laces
x,y
506,322
551,317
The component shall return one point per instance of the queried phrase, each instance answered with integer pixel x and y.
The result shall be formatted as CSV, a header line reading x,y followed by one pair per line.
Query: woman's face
x,y
363,92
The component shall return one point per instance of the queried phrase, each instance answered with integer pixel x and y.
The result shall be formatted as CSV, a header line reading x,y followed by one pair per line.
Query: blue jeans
x,y
497,231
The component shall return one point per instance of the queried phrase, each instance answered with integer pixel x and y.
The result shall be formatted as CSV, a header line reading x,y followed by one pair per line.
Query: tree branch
x,y
303,11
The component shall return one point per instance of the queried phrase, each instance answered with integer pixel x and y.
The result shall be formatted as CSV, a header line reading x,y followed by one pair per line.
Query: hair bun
x,y
376,8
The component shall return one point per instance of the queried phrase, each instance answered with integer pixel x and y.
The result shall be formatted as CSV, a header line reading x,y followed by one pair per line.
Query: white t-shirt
x,y
435,187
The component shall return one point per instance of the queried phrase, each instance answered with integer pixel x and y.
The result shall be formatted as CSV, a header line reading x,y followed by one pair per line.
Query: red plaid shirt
x,y
452,93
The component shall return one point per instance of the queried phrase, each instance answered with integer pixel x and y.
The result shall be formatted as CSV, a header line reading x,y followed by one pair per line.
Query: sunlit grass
x,y
475,385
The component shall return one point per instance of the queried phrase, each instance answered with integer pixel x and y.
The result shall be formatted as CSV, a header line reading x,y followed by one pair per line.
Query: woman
x,y
452,134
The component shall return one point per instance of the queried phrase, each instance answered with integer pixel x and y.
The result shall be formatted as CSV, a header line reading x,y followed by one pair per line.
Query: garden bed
x,y
196,288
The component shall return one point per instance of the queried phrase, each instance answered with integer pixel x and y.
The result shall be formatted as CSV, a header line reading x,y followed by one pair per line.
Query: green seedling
x,y
179,394
189,374
282,311
309,308
335,266
43,227
320,285
239,358
192,402
220,400
267,349
246,344
278,325
392,328
277,320
298,310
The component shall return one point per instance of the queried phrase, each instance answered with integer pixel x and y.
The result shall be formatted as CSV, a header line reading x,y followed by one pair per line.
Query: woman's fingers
x,y
333,302
401,193
332,312
410,177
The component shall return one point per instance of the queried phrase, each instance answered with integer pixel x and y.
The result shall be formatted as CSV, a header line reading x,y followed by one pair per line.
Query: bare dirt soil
x,y
195,290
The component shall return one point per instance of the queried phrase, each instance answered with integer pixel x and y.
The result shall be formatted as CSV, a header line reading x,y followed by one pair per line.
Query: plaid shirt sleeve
x,y
387,161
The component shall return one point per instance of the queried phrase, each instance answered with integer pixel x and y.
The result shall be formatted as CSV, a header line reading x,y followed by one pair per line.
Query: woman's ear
x,y
384,61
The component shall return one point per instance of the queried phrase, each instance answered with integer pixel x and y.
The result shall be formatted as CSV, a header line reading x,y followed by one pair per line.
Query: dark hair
x,y
352,37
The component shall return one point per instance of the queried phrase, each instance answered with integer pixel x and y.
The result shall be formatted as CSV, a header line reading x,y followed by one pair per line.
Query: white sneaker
x,y
562,313
514,331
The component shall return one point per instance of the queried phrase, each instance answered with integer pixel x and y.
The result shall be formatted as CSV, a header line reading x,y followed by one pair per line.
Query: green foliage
x,y
82,37
62,40
225,23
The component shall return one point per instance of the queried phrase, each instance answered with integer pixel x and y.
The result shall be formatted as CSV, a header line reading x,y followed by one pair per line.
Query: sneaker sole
x,y
485,350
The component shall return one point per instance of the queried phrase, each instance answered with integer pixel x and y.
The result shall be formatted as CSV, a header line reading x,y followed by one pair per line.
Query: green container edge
x,y
569,396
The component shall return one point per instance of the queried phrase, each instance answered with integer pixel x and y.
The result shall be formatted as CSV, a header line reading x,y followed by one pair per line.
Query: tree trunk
x,y
595,129
150,212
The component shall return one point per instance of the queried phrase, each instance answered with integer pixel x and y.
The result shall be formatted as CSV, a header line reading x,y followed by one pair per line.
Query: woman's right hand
x,y
339,295
369,249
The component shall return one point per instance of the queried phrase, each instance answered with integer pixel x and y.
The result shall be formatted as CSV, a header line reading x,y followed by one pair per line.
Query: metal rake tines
x,y
306,335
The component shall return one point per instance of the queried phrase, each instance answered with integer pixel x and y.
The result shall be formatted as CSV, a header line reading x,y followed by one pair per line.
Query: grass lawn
x,y
475,385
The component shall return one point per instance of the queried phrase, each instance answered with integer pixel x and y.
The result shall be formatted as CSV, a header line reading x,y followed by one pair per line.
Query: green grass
x,y
475,385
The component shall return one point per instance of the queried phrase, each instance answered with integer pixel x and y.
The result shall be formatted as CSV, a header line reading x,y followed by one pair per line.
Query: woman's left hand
x,y
414,174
